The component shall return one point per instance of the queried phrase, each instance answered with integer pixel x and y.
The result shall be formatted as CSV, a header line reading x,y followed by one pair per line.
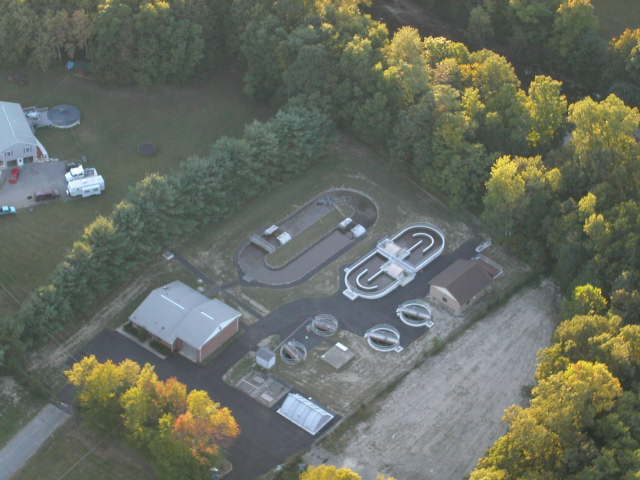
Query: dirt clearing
x,y
444,416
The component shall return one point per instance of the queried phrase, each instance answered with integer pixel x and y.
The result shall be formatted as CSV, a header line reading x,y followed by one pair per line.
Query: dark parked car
x,y
47,195
15,174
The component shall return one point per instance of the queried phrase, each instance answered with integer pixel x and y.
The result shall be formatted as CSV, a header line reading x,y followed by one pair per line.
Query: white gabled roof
x,y
304,413
178,311
14,127
205,321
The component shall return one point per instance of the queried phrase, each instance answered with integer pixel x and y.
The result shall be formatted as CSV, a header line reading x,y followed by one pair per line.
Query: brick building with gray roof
x,y
186,321
461,283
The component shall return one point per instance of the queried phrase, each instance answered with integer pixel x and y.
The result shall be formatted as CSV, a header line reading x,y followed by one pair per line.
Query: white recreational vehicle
x,y
86,187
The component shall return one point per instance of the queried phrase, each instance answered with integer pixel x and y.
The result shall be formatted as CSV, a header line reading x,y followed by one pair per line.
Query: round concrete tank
x,y
415,313
383,338
293,352
324,325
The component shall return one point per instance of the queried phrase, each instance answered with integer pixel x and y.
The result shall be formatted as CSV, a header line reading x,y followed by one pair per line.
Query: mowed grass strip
x,y
617,15
305,239
181,121
75,453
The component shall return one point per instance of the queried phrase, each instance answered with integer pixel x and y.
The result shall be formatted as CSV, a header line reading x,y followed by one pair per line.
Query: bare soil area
x,y
445,414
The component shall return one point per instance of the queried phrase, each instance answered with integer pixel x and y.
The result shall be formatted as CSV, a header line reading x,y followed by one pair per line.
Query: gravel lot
x,y
444,416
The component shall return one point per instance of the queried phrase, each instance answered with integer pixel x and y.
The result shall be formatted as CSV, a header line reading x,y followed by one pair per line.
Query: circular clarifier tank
x,y
384,338
324,325
415,313
293,352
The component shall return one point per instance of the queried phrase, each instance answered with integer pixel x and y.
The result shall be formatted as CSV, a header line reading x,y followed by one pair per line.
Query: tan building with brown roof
x,y
461,283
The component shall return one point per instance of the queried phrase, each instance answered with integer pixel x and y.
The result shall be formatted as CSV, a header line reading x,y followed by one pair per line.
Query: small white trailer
x,y
86,187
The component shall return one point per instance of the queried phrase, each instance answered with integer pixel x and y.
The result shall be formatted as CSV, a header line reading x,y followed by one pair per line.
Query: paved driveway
x,y
34,177
267,439
26,443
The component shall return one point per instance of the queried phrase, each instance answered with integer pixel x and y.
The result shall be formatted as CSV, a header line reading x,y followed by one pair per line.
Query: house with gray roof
x,y
18,144
461,283
186,321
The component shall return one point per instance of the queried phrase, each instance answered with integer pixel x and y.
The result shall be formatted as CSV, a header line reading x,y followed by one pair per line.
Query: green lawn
x,y
16,412
181,121
616,15
75,453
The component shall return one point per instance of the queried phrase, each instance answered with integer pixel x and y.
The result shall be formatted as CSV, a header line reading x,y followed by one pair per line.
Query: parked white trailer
x,y
86,187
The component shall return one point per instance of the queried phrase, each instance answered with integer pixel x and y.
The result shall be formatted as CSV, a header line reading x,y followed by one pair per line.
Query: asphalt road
x,y
267,439
15,454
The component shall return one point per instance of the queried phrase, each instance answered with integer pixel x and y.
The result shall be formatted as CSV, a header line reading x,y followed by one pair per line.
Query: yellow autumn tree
x,y
329,472
100,386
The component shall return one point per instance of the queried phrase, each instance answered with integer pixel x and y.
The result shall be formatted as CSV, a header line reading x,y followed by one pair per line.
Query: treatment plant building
x,y
186,321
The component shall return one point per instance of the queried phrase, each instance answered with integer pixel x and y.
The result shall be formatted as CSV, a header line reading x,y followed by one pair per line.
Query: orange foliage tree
x,y
183,431
205,426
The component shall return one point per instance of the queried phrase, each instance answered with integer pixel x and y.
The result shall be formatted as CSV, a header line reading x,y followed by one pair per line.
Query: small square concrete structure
x,y
338,356
345,224
358,231
265,358
284,238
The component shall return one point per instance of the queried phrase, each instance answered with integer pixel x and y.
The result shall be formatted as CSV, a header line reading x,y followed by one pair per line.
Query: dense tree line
x,y
185,433
160,210
126,41
557,36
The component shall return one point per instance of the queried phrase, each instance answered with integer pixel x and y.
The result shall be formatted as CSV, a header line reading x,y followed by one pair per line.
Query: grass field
x,y
76,453
181,121
616,15
17,407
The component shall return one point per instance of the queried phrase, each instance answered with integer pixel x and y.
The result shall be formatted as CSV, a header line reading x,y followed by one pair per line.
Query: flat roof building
x,y
186,321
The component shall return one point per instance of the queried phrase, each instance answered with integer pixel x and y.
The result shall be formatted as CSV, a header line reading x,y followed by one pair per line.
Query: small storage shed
x,y
304,413
459,284
265,358
186,321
